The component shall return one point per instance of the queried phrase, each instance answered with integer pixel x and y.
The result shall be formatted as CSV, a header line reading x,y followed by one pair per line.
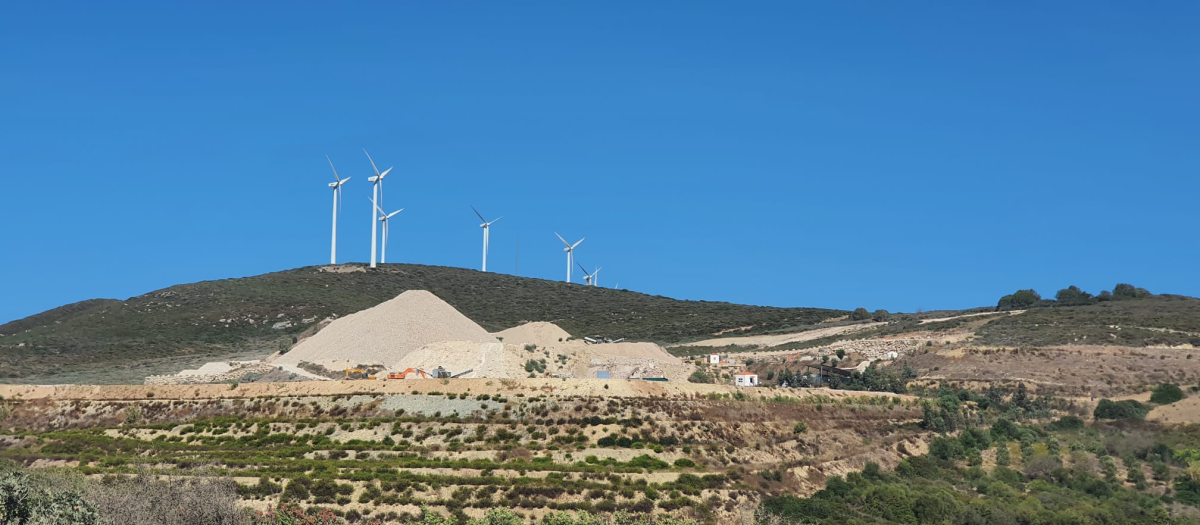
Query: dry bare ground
x,y
1075,370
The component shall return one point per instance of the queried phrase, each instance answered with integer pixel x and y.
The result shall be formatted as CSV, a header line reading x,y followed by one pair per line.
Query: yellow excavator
x,y
358,373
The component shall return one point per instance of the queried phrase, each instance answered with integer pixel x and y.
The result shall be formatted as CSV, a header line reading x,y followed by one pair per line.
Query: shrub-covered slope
x,y
264,312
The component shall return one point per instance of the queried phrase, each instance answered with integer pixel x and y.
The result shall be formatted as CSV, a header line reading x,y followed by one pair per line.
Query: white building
x,y
745,379
714,359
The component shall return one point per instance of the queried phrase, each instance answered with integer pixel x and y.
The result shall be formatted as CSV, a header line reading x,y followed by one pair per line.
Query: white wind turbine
x,y
590,278
384,218
486,226
570,249
376,202
337,199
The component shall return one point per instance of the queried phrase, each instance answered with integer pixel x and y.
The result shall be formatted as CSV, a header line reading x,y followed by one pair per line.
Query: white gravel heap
x,y
389,332
539,333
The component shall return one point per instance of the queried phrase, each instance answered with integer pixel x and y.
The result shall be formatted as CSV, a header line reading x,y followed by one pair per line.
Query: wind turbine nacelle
x,y
484,225
334,185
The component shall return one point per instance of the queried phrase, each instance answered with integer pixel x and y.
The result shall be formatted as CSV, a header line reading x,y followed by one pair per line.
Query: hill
x,y
1156,320
111,341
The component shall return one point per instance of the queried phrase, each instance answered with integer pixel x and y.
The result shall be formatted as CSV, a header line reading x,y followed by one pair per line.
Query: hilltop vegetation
x,y
267,312
1156,320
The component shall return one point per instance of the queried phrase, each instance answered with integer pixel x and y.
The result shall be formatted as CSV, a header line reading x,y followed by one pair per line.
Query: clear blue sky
x,y
893,155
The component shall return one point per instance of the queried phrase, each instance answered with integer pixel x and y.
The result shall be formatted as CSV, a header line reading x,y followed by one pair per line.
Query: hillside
x,y
1157,320
111,341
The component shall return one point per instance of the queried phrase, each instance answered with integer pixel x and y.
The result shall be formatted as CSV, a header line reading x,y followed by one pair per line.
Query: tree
x,y
1128,291
881,315
1105,295
860,314
1018,300
1073,296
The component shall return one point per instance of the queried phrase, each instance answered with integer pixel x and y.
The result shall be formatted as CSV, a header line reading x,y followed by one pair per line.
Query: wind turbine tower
x,y
589,278
376,202
570,249
486,226
337,199
384,218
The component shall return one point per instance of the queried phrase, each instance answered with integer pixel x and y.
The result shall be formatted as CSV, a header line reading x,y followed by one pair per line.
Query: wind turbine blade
x,y
393,214
378,211
582,268
576,244
343,181
372,162
564,241
335,175
384,174
477,214
495,221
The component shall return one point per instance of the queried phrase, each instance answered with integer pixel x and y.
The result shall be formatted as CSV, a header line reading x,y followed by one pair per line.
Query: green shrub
x,y
1126,409
800,428
1166,394
1019,300
684,463
1066,423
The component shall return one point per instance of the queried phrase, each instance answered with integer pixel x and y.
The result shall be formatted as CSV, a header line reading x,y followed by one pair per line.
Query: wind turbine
x,y
337,198
486,226
570,253
376,201
384,217
589,278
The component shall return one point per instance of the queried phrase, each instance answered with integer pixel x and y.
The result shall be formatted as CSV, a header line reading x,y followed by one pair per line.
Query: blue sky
x,y
890,155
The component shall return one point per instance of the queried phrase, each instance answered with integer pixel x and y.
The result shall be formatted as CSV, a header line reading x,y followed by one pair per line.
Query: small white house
x,y
893,355
714,359
745,379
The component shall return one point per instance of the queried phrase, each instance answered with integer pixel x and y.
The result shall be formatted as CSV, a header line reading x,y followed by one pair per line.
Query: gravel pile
x,y
387,333
538,333
484,359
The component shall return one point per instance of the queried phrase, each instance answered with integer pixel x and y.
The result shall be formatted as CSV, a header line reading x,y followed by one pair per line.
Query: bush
x,y
1073,296
1020,299
1166,394
1128,291
800,428
1127,409
881,315
860,314
1066,423
684,463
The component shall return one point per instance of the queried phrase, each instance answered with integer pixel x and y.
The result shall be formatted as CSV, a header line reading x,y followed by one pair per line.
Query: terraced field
x,y
707,452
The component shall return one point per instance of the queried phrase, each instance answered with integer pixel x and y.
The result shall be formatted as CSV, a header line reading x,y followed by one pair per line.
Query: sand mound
x,y
538,333
635,350
387,333
483,359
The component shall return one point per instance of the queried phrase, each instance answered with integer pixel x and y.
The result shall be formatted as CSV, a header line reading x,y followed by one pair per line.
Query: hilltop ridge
x,y
108,340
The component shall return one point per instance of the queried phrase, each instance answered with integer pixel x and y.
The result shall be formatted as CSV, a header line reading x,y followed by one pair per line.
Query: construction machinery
x,y
598,339
358,373
418,373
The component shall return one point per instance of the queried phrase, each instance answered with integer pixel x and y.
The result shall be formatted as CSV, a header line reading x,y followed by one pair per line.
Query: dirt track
x,y
763,341
529,387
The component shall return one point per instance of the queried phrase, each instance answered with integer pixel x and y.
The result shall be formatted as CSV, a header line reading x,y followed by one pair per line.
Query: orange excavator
x,y
416,372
